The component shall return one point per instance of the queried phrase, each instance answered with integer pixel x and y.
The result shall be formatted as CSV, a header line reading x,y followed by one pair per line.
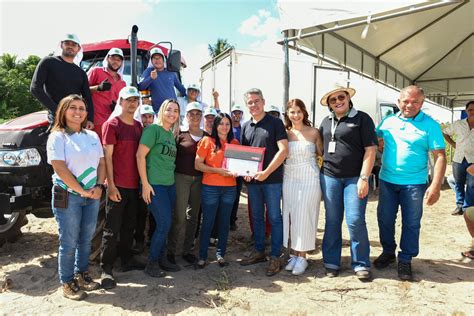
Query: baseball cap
x,y
193,106
128,92
194,86
236,107
115,51
71,37
273,108
157,50
210,111
146,109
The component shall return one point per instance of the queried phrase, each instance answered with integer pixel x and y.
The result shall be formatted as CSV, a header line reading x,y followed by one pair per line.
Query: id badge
x,y
332,147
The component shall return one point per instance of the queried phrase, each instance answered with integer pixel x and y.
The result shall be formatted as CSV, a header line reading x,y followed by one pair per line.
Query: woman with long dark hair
x,y
77,158
218,187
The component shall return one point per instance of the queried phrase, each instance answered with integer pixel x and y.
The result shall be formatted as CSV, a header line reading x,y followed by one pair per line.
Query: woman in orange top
x,y
218,189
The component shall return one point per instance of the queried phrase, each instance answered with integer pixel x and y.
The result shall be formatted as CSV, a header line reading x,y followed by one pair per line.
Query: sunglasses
x,y
340,98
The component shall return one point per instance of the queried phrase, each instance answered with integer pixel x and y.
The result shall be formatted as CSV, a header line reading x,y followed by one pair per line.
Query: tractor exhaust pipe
x,y
133,54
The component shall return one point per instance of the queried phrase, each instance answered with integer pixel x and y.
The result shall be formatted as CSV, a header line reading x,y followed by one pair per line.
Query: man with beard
x,y
58,76
105,84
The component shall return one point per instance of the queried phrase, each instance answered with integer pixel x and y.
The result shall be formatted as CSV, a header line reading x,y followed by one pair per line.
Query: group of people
x,y
177,170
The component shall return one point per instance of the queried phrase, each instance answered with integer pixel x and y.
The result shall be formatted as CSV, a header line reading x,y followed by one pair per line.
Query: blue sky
x,y
35,26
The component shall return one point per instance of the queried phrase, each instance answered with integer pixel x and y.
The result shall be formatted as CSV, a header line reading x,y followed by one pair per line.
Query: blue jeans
x,y
410,199
214,200
76,225
161,207
340,196
464,187
269,195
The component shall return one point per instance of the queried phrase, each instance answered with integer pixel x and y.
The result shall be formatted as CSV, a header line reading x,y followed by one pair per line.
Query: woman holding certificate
x,y
218,189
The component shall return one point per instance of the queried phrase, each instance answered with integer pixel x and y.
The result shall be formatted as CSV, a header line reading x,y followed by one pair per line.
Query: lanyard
x,y
333,128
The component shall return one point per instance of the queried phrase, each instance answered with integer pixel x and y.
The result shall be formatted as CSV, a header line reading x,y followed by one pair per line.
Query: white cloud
x,y
36,27
260,25
266,28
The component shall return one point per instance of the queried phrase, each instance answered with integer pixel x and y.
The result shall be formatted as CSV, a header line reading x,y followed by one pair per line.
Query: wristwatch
x,y
363,177
100,185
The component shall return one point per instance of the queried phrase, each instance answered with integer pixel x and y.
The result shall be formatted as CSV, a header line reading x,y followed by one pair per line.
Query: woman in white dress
x,y
301,189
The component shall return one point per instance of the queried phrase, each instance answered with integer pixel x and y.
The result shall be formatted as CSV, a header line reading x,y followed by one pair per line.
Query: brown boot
x,y
256,257
274,266
72,291
85,282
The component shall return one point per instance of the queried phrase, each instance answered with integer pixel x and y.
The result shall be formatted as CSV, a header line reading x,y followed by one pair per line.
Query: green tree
x,y
220,46
15,80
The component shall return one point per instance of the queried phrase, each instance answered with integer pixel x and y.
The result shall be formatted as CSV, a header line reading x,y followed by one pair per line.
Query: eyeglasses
x,y
340,97
73,108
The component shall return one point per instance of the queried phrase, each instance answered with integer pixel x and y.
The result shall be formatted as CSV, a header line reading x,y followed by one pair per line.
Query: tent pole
x,y
286,71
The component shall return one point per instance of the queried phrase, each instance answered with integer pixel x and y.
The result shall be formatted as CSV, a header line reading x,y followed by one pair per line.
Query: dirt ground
x,y
444,282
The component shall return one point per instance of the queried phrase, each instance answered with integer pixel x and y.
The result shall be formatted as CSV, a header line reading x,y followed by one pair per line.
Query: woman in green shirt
x,y
156,157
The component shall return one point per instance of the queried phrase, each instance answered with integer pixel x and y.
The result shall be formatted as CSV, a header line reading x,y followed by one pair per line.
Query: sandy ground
x,y
444,283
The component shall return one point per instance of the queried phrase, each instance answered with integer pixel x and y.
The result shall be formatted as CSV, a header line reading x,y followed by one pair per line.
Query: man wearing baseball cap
x,y
209,114
56,77
105,84
147,115
121,136
160,81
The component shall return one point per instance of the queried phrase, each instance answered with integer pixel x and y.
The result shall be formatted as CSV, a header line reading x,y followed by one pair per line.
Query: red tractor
x,y
25,175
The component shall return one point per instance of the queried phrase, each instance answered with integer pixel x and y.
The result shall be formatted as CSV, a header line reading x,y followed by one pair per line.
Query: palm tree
x,y
220,46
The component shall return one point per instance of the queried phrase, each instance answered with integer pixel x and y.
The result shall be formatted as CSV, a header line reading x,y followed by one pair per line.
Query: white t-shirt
x,y
80,151
464,140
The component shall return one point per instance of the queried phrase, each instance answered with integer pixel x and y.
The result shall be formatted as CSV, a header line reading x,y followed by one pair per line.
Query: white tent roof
x,y
429,43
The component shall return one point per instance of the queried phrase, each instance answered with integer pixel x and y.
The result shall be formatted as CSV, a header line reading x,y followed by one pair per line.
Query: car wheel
x,y
11,230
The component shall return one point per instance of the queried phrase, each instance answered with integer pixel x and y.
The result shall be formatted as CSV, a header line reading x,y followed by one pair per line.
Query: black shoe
x,y
457,211
133,264
384,260
233,226
168,266
153,270
331,273
171,258
107,281
404,271
190,258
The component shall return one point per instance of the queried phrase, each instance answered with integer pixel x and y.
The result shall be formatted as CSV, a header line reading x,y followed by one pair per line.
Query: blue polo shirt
x,y
407,142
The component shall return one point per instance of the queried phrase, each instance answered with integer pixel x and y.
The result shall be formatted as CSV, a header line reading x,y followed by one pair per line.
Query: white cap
x,y
115,51
194,86
71,37
273,108
128,92
157,50
210,111
146,109
193,106
236,107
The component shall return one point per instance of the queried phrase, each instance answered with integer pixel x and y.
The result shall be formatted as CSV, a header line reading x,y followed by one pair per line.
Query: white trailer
x,y
235,71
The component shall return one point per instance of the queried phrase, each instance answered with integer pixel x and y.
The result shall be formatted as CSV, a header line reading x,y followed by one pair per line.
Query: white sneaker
x,y
291,263
300,266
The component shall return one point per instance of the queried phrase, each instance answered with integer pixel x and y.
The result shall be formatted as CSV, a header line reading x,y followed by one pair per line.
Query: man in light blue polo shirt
x,y
407,138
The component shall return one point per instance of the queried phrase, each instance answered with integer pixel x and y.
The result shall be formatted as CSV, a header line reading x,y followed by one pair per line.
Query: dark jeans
x,y
269,195
139,235
120,220
162,204
235,207
410,199
215,200
464,188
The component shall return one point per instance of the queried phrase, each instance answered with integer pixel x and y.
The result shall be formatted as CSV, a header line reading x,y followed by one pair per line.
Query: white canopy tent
x,y
428,43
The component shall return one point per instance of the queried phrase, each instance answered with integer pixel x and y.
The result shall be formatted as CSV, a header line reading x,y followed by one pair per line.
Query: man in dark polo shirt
x,y
265,188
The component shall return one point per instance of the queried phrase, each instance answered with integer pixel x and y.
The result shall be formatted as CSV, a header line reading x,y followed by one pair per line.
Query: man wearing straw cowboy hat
x,y
58,76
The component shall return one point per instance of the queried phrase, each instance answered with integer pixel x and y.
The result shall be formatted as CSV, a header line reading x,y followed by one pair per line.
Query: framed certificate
x,y
243,160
